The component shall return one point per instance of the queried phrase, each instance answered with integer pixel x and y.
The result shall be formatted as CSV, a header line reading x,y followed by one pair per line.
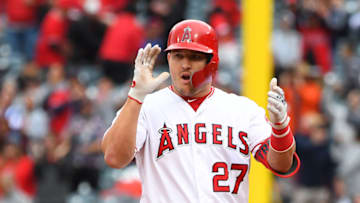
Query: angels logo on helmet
x,y
187,35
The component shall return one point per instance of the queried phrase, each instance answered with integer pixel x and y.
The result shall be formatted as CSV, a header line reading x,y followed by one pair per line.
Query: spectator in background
x,y
350,62
308,87
17,182
336,109
85,33
164,13
316,49
286,44
317,170
52,47
122,40
84,134
12,109
170,11
34,115
106,99
52,171
81,137
349,167
21,30
336,19
154,31
229,49
58,107
232,10
57,101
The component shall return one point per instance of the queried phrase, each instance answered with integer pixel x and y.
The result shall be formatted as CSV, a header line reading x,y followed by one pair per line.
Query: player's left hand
x,y
277,106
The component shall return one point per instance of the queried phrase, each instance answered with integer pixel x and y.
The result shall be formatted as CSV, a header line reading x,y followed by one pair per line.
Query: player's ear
x,y
168,55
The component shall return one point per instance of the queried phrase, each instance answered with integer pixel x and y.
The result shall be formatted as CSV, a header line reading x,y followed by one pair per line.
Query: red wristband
x,y
282,142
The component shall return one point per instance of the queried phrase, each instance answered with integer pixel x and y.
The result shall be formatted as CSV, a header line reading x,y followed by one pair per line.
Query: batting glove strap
x,y
135,94
282,124
132,98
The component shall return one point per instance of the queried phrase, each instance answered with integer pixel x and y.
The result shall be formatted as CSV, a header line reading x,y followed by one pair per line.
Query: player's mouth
x,y
186,77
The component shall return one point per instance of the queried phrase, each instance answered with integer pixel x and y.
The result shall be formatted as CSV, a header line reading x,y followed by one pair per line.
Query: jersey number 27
x,y
223,177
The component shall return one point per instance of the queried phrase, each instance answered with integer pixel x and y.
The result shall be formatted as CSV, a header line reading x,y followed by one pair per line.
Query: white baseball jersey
x,y
197,156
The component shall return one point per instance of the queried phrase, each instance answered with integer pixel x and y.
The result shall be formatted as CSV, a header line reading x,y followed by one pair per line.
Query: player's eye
x,y
197,57
178,55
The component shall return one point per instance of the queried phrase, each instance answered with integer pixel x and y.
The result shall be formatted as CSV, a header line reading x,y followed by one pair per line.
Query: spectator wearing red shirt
x,y
21,30
122,40
57,103
17,181
52,46
231,8
316,44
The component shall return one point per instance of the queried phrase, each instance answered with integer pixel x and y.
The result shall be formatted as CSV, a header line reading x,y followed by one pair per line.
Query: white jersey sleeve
x,y
259,128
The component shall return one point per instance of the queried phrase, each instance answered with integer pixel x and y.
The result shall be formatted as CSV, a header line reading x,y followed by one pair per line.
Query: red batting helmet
x,y
196,35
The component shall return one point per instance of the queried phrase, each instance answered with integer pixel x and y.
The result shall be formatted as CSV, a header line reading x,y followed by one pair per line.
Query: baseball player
x,y
192,142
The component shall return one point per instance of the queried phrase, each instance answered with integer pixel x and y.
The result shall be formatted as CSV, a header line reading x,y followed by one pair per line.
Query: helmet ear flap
x,y
214,63
213,67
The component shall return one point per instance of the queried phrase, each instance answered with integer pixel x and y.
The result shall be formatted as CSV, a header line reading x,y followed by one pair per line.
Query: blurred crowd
x,y
316,53
66,66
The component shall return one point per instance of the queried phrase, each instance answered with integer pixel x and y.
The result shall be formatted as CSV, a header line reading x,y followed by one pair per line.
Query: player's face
x,y
183,64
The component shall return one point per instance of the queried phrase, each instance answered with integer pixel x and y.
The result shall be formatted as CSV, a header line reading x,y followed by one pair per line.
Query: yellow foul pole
x,y
258,70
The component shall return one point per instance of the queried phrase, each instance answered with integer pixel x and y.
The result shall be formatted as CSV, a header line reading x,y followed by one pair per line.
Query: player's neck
x,y
203,92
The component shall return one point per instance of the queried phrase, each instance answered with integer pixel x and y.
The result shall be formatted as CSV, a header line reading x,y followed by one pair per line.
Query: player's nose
x,y
185,63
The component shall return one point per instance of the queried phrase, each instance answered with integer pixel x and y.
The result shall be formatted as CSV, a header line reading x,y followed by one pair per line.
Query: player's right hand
x,y
143,81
